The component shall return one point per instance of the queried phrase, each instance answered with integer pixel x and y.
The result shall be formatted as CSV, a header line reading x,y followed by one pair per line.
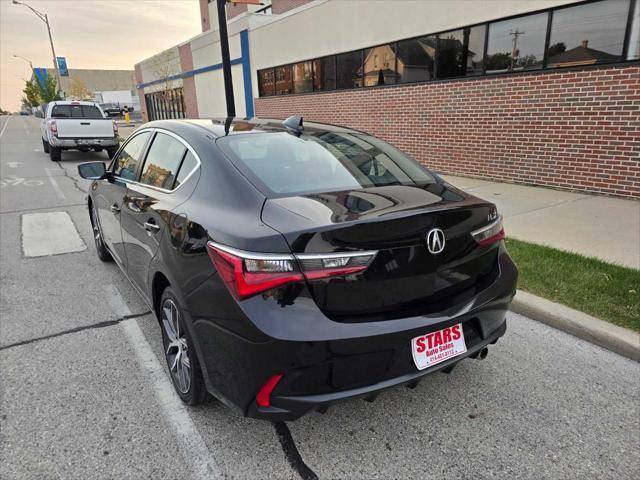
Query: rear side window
x,y
188,165
126,164
75,111
283,164
163,161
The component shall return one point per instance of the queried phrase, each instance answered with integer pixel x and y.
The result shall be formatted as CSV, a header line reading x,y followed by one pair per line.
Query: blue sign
x,y
41,75
62,66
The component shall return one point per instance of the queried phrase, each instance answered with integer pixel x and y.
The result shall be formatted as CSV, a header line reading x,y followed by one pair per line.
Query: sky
x,y
106,34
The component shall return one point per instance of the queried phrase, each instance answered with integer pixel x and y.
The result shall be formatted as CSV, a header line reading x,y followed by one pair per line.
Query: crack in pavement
x,y
291,452
73,179
106,323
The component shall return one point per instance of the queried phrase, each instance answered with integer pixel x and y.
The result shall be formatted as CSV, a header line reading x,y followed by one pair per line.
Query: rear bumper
x,y
73,143
292,407
323,361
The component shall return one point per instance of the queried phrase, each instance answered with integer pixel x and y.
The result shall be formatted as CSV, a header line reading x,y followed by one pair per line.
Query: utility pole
x,y
514,51
45,19
226,58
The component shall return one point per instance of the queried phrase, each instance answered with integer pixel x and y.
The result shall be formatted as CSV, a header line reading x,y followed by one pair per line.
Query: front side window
x,y
284,164
416,59
349,70
588,34
127,161
517,44
163,161
380,66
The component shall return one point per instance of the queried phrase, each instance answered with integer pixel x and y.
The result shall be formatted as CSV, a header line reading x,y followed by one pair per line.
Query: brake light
x,y
263,398
246,274
492,233
53,127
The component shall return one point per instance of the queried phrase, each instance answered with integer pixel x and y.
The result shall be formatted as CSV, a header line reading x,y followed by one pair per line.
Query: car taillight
x,y
492,233
246,273
53,127
263,398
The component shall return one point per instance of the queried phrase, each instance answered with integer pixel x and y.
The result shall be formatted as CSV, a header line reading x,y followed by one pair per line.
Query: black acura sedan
x,y
291,265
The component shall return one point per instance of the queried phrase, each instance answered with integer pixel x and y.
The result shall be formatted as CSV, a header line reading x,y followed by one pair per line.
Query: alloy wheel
x,y
177,351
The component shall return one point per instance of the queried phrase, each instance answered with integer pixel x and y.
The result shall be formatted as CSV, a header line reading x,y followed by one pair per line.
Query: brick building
x,y
543,92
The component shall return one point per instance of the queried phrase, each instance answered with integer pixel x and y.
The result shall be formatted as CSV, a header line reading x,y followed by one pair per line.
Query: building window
x,y
380,66
302,79
588,34
634,37
165,104
349,70
324,74
460,52
266,83
416,59
284,80
517,44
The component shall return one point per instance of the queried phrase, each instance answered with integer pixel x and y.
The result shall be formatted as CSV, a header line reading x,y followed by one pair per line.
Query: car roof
x,y
221,127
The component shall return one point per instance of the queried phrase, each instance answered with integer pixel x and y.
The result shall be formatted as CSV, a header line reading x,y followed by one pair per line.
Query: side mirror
x,y
92,170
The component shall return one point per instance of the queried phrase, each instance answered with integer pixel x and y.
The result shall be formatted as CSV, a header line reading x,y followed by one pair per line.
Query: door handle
x,y
115,208
151,226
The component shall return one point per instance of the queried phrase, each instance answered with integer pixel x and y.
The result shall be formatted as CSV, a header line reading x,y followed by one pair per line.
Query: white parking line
x,y
54,184
5,126
192,447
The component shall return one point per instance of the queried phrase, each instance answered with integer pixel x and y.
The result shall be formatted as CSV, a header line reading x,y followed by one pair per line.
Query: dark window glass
x,y
285,164
266,84
284,80
163,161
517,44
634,38
188,164
460,52
75,111
302,82
380,66
324,74
349,70
588,34
126,164
416,59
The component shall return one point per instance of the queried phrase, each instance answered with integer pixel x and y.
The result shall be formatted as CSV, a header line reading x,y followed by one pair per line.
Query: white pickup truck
x,y
69,125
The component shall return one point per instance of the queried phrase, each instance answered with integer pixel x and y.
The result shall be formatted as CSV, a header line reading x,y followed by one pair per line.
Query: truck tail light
x,y
246,273
492,233
115,129
53,127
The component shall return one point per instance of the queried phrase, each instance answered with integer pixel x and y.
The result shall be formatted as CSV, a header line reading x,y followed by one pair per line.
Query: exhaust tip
x,y
483,353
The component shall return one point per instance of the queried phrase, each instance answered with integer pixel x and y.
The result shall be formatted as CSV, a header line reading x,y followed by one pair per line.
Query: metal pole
x,y
226,59
53,50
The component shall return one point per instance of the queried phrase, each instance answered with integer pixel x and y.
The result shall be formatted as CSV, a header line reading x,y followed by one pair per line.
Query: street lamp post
x,y
26,60
45,19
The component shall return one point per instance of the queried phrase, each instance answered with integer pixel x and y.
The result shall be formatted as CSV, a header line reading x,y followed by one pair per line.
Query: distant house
x,y
581,55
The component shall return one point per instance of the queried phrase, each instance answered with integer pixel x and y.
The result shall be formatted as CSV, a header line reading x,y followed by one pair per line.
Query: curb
x,y
620,340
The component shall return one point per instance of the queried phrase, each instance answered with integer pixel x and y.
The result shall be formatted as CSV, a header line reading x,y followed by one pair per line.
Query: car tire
x,y
101,249
45,146
179,351
55,154
111,152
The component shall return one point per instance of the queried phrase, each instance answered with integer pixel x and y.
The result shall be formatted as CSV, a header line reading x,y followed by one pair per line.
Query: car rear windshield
x,y
75,111
283,164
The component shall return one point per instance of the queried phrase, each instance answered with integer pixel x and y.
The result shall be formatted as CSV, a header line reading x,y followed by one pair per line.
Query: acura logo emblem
x,y
435,241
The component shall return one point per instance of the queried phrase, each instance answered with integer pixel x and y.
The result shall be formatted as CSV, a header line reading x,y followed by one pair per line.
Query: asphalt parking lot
x,y
85,392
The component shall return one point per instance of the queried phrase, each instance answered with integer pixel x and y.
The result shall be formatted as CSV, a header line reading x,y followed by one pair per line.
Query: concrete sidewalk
x,y
603,227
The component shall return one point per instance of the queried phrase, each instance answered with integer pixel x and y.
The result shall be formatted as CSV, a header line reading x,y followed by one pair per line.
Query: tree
x,y
31,92
36,94
78,90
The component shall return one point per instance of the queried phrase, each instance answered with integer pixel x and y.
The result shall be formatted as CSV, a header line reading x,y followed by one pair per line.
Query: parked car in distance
x,y
112,110
71,125
291,265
